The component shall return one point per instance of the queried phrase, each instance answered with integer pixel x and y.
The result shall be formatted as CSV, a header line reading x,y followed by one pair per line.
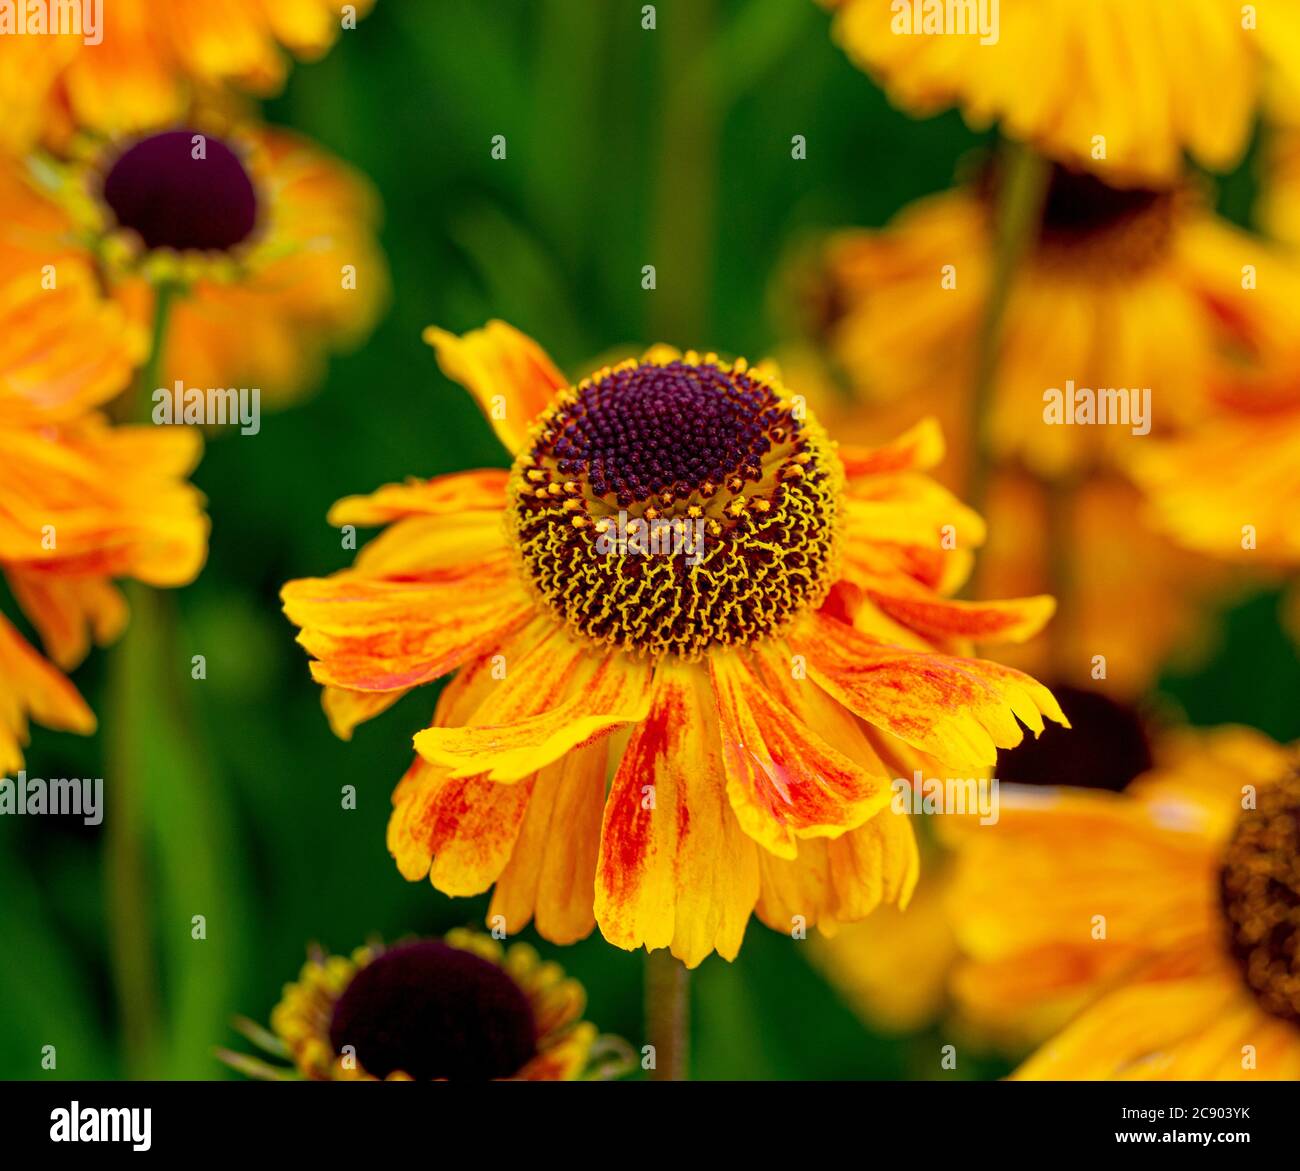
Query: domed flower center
x,y
1259,888
667,508
1090,224
182,190
1105,748
434,1011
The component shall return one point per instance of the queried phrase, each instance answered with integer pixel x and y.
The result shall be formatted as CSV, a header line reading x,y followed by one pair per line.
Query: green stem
x,y
667,1015
129,901
1021,189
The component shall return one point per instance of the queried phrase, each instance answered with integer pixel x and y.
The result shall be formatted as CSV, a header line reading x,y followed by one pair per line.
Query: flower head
x,y
752,696
459,1009
269,241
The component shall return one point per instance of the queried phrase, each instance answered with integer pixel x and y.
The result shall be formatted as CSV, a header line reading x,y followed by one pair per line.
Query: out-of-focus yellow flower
x,y
460,1009
270,242
722,689
1123,87
154,61
81,502
1129,289
1154,928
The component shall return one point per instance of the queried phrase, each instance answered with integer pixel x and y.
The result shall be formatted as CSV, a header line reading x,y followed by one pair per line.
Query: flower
x,y
754,686
1056,74
82,502
1155,928
1141,289
153,62
270,242
460,1008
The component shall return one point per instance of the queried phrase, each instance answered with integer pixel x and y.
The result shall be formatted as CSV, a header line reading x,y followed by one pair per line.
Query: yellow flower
x,y
81,502
753,685
1130,289
1123,87
154,60
270,241
1157,926
462,1008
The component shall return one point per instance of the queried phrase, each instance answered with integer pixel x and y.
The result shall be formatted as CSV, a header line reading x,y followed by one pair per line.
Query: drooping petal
x,y
70,612
551,876
32,689
675,868
509,375
376,635
783,779
558,697
958,710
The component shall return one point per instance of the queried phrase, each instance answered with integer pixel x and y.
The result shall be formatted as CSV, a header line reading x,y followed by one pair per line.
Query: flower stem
x,y
1021,189
667,1015
129,901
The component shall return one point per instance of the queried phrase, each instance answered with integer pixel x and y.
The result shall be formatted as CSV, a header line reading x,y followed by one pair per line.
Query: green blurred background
x,y
625,147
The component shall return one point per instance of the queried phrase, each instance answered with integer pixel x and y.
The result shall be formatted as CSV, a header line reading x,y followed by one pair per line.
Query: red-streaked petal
x,y
31,688
675,868
919,449
783,779
478,491
959,710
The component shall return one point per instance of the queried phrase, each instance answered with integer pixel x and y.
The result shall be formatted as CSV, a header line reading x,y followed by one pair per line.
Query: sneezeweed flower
x,y
82,502
1157,925
459,1008
268,242
753,694
153,61
1142,289
1051,73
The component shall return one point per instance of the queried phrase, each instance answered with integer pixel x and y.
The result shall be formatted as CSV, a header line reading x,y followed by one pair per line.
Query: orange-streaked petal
x,y
675,868
919,449
958,710
1009,620
478,491
70,612
375,635
509,375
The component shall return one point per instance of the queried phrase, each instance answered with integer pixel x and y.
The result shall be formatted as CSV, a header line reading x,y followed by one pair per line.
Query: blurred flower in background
x,y
152,63
82,502
1149,933
812,564
1122,87
463,1008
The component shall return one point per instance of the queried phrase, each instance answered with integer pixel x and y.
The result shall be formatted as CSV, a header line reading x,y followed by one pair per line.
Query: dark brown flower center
x,y
1105,746
668,508
1259,888
434,1011
182,190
